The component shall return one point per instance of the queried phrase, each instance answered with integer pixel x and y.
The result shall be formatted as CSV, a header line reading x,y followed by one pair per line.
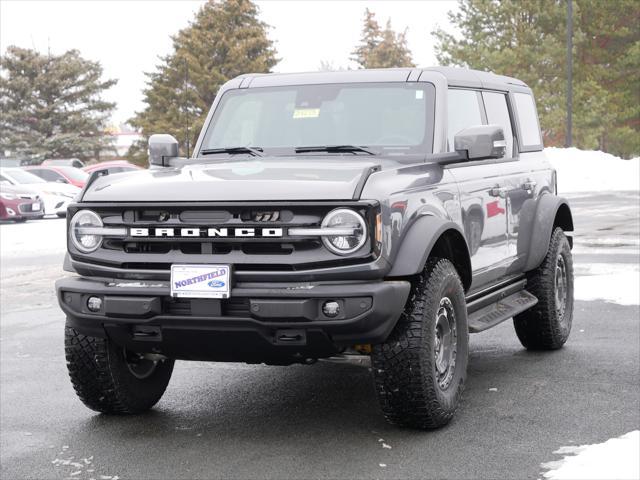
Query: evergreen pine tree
x,y
526,39
381,48
51,105
225,39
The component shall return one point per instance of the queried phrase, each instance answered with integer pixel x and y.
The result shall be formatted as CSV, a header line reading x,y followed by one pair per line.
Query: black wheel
x,y
109,379
547,325
420,370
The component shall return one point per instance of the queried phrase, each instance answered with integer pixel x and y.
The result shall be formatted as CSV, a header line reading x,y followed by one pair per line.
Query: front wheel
x,y
420,370
547,325
109,379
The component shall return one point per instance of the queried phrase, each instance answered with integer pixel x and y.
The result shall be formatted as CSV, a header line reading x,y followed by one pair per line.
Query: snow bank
x,y
593,171
35,237
617,458
611,282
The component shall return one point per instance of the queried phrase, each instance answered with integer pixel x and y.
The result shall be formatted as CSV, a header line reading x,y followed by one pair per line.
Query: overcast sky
x,y
128,36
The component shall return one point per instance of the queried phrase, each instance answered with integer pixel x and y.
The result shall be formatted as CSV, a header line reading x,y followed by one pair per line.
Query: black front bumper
x,y
270,323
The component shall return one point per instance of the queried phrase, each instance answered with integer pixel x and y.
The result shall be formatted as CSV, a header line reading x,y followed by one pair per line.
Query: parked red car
x,y
19,204
70,175
115,166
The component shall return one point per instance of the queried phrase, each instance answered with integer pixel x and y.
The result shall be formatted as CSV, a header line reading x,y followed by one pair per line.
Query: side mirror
x,y
62,180
481,142
162,147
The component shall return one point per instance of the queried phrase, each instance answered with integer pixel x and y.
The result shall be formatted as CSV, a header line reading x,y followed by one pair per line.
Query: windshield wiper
x,y
255,151
335,149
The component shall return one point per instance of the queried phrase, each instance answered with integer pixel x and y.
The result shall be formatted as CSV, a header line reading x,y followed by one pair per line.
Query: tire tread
x,y
400,365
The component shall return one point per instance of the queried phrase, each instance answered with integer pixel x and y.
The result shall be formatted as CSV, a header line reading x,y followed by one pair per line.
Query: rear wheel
x,y
110,379
420,370
547,325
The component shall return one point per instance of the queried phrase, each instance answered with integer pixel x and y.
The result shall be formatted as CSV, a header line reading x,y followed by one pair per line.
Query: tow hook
x,y
290,337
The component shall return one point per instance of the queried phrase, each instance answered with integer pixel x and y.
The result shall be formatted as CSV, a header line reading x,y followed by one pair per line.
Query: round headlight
x,y
345,218
80,228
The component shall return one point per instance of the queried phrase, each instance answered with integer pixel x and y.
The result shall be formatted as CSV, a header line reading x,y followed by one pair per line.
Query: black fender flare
x,y
416,246
550,207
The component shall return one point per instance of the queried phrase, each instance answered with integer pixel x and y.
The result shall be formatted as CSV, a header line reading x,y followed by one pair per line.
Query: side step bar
x,y
504,308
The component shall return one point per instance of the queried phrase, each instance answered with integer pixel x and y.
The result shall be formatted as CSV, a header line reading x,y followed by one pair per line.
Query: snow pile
x,y
593,171
36,237
618,283
617,458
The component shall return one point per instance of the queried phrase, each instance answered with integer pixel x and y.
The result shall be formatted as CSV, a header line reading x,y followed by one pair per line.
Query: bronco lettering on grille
x,y
206,232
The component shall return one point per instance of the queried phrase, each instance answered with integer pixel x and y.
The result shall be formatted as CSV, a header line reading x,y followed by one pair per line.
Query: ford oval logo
x,y
216,284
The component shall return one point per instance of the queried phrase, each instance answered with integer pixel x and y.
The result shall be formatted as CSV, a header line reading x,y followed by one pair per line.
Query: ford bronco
x,y
386,213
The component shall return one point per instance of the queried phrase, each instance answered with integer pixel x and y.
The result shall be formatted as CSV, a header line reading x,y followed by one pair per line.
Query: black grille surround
x,y
256,254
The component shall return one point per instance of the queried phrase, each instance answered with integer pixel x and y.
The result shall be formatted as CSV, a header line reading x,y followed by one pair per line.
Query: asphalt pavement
x,y
320,421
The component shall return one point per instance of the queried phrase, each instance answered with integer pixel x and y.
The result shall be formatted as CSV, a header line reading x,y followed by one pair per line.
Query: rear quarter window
x,y
528,121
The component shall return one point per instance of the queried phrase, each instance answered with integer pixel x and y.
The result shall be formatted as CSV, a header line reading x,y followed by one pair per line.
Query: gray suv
x,y
385,213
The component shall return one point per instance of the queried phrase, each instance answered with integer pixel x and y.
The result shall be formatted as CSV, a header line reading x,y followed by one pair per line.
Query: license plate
x,y
35,206
201,281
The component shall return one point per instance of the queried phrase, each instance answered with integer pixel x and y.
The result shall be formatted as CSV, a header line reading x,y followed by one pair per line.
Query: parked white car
x,y
55,196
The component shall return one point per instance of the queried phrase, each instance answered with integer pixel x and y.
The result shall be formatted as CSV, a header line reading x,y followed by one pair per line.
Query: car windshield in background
x,y
74,173
386,118
21,176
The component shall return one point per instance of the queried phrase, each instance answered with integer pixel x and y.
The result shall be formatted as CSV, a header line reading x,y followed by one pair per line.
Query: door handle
x,y
498,191
529,186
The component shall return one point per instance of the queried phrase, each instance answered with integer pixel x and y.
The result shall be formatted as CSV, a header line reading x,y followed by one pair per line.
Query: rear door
x,y
524,173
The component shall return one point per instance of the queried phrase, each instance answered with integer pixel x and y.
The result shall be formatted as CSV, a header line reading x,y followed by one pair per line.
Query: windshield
x,y
74,173
20,176
390,118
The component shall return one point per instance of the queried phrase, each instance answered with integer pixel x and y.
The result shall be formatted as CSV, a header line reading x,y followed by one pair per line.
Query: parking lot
x,y
323,421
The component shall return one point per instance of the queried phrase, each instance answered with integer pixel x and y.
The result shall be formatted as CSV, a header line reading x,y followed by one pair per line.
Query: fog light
x,y
331,308
94,304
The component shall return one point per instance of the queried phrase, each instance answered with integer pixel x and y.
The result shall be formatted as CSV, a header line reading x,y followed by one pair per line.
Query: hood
x,y
269,179
17,189
54,188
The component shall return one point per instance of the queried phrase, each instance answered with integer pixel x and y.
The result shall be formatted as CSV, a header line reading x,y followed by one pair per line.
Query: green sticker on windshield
x,y
306,113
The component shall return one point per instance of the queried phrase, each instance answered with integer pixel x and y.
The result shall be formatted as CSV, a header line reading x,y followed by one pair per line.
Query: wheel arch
x,y
551,212
432,236
563,217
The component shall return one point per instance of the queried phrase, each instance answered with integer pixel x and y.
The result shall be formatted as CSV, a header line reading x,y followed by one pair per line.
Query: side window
x,y
463,111
48,175
528,120
495,104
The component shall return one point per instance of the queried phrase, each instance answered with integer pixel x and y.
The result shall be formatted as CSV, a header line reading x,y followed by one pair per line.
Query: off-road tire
x,y
542,327
103,381
404,366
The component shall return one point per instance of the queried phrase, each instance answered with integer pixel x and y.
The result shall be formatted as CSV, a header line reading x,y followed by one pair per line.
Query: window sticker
x,y
306,113
419,94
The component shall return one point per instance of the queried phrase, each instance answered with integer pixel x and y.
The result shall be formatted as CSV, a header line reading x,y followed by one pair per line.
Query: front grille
x,y
261,252
26,208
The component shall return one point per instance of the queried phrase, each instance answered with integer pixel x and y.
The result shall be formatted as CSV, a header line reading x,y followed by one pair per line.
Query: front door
x,y
483,196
